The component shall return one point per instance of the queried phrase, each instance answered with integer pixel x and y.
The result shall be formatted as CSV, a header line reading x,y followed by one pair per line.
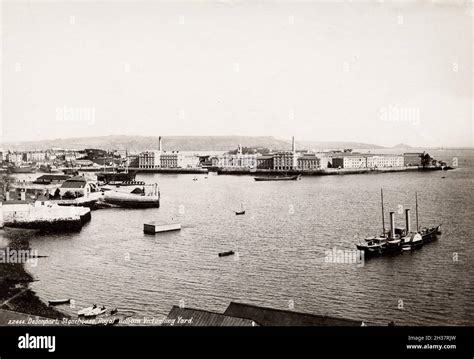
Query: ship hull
x,y
126,200
288,178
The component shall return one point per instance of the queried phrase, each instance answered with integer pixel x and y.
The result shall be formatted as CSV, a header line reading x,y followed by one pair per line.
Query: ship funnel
x,y
407,220
392,224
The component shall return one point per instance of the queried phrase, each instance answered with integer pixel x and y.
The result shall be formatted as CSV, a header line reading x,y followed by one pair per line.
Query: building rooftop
x,y
366,155
204,318
277,317
75,182
52,177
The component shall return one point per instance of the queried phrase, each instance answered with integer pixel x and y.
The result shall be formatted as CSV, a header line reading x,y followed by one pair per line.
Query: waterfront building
x,y
412,159
238,160
308,161
171,159
190,161
15,158
76,187
361,160
325,159
265,162
34,156
381,161
285,161
132,160
164,159
350,160
149,159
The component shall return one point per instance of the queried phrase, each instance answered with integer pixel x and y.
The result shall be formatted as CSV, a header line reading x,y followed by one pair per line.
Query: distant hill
x,y
403,146
331,145
181,143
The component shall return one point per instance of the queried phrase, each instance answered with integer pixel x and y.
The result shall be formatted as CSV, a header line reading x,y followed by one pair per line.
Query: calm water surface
x,y
281,244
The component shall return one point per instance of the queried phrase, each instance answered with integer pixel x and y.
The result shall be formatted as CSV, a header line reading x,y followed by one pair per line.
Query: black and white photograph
x,y
227,163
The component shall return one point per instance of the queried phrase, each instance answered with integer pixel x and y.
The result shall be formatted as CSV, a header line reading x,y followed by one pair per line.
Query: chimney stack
x,y
407,220
159,143
293,147
392,224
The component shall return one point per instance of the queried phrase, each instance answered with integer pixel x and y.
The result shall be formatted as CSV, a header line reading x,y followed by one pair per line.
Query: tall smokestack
x,y
159,143
392,225
293,147
407,220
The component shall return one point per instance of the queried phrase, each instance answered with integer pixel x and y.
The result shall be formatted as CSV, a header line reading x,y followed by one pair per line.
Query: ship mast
x,y
416,204
383,219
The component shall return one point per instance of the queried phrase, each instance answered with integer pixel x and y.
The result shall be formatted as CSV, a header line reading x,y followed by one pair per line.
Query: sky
x,y
375,72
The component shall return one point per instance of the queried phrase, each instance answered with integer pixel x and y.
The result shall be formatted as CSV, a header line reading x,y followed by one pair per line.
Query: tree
x,y
425,159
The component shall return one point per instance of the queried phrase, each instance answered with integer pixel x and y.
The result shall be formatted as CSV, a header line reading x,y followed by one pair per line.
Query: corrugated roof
x,y
77,179
200,318
75,184
276,317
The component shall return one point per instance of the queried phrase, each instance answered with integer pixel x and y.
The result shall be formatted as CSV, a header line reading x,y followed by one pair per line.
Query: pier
x,y
43,216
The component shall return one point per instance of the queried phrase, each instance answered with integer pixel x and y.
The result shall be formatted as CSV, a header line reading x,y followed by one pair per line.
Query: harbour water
x,y
281,245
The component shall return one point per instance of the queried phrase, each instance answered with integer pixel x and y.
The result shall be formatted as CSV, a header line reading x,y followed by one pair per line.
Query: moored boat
x,y
59,301
23,169
398,239
279,178
146,196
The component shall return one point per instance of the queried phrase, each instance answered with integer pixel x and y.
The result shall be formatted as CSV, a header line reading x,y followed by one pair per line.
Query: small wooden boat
x,y
59,301
114,311
279,178
225,254
95,312
241,212
86,310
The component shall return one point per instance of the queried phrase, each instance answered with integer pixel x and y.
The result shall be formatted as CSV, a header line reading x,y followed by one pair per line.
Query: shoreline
x,y
325,172
16,296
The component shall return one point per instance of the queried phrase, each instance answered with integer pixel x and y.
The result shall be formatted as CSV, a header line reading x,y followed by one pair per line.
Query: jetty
x,y
42,215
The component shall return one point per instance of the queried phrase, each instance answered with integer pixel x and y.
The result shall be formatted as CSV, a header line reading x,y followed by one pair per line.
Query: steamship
x,y
397,240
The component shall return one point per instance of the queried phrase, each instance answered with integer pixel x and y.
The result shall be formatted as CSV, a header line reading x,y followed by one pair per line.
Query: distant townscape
x,y
243,159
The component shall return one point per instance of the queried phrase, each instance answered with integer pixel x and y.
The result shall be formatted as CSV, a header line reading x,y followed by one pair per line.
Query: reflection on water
x,y
280,244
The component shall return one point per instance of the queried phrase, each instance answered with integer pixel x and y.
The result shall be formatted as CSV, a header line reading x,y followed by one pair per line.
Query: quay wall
x,y
196,170
321,172
26,215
